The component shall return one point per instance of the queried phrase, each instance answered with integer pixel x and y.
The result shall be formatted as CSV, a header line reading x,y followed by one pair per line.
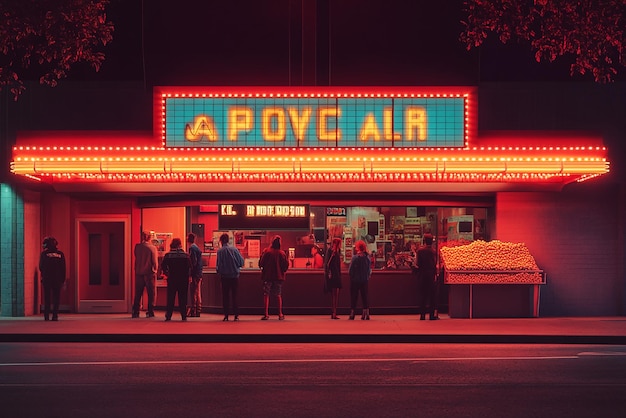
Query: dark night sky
x,y
361,42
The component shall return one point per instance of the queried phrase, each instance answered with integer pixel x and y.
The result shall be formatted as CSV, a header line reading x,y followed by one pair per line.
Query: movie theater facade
x,y
385,165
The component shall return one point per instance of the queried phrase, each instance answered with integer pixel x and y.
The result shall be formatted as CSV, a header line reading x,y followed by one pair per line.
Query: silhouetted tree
x,y
44,38
590,30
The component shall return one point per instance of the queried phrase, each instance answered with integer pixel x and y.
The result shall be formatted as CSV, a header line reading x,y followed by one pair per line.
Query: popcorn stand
x,y
492,279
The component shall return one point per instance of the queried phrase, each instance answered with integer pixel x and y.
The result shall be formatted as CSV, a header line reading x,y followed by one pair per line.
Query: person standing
x,y
274,265
333,275
426,264
228,265
195,285
146,266
52,267
176,265
360,271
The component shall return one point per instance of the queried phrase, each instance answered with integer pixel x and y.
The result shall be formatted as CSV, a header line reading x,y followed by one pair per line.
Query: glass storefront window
x,y
460,226
390,232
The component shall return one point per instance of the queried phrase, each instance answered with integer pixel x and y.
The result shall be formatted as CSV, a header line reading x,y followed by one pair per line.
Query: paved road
x,y
311,380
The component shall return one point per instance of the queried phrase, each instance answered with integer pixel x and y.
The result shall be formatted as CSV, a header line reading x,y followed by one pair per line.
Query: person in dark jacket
x,y
195,285
274,265
228,264
333,274
52,267
176,266
426,263
360,271
146,266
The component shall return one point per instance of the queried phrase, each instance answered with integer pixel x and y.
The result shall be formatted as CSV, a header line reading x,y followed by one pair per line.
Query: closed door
x,y
102,265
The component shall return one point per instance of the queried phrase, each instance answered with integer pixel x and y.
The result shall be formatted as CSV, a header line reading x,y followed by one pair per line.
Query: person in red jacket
x,y
274,265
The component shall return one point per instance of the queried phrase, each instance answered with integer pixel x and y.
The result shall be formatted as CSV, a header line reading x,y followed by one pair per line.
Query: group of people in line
x,y
184,276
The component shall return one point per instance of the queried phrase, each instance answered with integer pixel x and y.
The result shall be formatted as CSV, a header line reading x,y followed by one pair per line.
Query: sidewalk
x,y
314,329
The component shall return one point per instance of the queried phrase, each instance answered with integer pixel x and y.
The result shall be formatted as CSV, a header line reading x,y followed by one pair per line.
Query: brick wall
x,y
574,236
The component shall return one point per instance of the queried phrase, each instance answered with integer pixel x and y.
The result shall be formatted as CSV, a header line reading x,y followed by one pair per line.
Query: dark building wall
x,y
559,106
580,240
85,106
574,236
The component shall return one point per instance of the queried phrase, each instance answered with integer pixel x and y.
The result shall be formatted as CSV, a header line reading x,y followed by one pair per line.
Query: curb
x,y
314,338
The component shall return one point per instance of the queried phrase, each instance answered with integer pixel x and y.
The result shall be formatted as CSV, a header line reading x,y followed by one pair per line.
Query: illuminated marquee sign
x,y
263,216
315,122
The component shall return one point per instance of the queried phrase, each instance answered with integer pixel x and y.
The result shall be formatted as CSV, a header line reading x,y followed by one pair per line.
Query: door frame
x,y
103,305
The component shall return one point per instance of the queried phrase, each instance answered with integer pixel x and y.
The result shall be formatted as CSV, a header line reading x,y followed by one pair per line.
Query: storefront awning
x,y
126,162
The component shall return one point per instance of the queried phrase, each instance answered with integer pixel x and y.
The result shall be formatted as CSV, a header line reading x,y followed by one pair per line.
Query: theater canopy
x,y
331,139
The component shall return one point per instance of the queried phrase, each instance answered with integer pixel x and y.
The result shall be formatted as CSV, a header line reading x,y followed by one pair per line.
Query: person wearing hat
x,y
52,268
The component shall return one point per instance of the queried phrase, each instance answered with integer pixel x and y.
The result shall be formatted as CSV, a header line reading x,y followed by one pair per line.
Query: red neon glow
x,y
493,157
511,164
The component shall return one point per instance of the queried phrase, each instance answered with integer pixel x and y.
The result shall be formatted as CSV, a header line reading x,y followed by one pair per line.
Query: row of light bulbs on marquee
x,y
311,177
305,149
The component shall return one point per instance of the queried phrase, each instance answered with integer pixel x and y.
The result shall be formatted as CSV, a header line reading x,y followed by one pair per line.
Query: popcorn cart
x,y
494,279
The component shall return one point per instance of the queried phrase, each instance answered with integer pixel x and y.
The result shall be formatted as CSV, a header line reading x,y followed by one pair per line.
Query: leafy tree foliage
x,y
590,30
45,38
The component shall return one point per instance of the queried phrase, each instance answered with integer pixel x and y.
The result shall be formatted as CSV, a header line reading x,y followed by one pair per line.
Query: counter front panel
x,y
391,292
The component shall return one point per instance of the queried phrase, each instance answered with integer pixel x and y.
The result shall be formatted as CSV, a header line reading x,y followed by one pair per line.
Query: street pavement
x,y
210,328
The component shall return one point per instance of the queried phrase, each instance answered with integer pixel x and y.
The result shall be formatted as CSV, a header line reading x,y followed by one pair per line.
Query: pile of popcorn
x,y
490,262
